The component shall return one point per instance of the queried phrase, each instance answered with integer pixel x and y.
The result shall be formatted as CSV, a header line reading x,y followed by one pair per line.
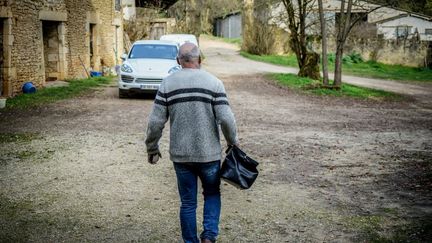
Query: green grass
x,y
53,94
17,137
386,71
310,86
363,69
285,60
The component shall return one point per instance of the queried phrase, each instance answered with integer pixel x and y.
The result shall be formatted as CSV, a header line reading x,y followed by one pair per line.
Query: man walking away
x,y
196,104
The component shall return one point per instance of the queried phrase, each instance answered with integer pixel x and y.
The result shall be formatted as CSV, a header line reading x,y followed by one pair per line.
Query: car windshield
x,y
153,51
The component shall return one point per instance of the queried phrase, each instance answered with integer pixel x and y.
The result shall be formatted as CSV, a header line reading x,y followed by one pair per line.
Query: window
x,y
153,51
118,5
428,31
403,31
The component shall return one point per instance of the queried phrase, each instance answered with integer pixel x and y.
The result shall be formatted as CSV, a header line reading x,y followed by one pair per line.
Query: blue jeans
x,y
187,180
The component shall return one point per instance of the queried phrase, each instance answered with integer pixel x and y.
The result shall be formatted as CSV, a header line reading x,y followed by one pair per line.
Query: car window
x,y
153,51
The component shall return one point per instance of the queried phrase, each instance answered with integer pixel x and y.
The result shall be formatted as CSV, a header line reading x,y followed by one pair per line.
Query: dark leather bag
x,y
239,169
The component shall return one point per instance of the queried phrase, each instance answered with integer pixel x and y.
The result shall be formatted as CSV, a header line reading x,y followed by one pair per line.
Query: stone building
x,y
46,40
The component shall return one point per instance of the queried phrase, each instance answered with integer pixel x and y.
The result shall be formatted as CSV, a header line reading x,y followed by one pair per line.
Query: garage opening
x,y
2,57
93,46
51,45
429,55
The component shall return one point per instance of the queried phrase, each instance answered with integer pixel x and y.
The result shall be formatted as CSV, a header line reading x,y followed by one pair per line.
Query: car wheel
x,y
123,93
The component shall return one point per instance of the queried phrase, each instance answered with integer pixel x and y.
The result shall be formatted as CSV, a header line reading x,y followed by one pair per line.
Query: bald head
x,y
189,56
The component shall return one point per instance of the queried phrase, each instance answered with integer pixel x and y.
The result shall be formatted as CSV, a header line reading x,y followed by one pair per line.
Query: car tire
x,y
123,93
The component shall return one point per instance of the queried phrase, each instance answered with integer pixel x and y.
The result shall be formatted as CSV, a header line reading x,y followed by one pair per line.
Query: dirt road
x,y
332,169
222,53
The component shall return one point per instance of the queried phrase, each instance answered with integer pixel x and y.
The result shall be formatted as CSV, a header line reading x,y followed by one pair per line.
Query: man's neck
x,y
192,66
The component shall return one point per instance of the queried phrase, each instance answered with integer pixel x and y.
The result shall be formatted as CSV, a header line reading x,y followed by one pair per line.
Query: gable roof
x,y
411,13
420,16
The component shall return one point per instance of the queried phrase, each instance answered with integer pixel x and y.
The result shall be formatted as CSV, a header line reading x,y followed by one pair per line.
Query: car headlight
x,y
126,68
174,69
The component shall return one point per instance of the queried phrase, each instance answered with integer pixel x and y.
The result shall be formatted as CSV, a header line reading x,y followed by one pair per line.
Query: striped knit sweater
x,y
196,104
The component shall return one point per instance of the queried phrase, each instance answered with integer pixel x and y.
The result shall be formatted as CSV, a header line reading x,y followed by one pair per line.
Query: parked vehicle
x,y
148,62
180,39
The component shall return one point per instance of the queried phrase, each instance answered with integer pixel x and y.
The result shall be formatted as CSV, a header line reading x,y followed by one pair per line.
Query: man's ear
x,y
178,61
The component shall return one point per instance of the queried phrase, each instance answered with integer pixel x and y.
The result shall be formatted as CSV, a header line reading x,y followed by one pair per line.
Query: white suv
x,y
148,62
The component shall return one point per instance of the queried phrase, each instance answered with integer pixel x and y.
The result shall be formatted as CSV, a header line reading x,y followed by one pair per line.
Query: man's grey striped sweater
x,y
196,104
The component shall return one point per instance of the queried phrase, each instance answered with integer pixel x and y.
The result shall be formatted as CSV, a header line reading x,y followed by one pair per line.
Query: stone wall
x,y
398,52
110,25
77,53
27,54
66,46
401,52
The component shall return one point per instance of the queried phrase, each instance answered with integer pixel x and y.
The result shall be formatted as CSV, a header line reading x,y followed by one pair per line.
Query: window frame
x,y
406,31
118,5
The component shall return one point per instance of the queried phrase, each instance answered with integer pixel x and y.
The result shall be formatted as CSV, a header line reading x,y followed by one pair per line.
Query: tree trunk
x,y
308,62
310,67
338,68
344,28
324,44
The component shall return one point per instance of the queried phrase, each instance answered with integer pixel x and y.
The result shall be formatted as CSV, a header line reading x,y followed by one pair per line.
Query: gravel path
x,y
332,169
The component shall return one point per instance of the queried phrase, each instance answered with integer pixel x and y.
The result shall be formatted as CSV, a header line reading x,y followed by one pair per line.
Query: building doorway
x,y
51,47
93,46
157,30
429,55
2,58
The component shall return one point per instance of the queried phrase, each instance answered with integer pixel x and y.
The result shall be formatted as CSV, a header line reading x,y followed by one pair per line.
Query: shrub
x,y
356,57
347,60
331,57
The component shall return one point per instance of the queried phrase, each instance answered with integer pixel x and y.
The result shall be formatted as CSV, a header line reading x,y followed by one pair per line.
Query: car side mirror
x,y
124,56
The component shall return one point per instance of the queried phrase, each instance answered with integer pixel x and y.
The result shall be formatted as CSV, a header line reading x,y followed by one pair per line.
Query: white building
x,y
390,22
406,25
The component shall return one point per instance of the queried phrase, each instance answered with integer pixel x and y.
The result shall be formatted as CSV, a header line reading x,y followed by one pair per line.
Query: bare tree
x,y
344,27
307,60
324,43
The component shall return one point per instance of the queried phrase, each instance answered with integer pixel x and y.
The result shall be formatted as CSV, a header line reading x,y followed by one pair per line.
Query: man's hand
x,y
154,157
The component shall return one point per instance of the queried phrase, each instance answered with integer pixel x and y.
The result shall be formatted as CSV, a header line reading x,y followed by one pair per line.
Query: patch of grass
x,y
26,154
53,94
354,65
418,231
369,226
9,212
17,137
391,211
285,60
310,86
386,71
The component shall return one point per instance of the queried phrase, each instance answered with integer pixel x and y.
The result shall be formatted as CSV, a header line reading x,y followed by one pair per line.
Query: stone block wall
x,y
77,52
407,53
403,52
27,50
26,56
111,32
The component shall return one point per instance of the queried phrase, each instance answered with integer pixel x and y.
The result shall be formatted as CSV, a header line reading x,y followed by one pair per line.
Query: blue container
x,y
28,88
95,74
